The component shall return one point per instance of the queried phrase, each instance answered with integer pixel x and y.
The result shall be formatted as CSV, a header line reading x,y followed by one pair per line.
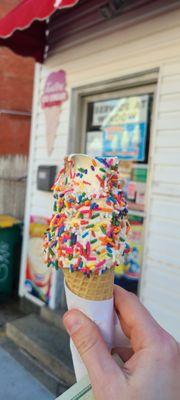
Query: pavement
x,y
35,358
16,383
9,311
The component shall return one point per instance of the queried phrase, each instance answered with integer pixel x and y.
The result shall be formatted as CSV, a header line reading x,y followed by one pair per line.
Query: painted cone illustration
x,y
53,97
52,122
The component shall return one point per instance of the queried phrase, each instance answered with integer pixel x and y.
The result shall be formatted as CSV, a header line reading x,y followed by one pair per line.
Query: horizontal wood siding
x,y
150,44
41,202
161,275
86,21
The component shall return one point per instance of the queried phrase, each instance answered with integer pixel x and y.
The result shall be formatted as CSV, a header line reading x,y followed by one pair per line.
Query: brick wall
x,y
14,135
16,82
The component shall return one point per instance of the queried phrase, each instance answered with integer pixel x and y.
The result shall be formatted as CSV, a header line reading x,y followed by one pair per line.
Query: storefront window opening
x,y
119,124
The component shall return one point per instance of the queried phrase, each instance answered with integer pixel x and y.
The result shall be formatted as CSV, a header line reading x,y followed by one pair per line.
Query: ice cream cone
x,y
87,238
96,287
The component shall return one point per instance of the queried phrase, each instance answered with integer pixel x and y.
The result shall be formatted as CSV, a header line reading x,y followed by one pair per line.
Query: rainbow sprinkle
x,y
89,226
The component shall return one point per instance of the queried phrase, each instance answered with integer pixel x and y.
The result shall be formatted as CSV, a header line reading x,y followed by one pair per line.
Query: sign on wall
x,y
38,277
53,97
125,129
133,260
119,127
94,143
101,109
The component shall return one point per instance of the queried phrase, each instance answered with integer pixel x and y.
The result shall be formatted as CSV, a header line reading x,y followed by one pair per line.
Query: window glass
x,y
121,127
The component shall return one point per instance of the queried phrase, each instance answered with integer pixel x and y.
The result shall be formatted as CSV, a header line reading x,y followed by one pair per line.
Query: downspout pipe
x,y
15,112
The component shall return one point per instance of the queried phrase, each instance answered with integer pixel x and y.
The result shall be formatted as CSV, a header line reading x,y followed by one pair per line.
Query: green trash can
x,y
10,250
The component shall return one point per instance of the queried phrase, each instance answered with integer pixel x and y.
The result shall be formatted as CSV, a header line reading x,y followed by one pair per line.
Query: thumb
x,y
90,345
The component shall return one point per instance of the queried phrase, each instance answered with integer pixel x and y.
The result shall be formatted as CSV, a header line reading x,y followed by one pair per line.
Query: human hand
x,y
151,369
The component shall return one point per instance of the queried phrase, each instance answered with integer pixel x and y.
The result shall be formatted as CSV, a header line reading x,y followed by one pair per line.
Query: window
x,y
118,124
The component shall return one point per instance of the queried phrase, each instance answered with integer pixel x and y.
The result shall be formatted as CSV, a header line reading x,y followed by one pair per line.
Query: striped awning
x,y
23,30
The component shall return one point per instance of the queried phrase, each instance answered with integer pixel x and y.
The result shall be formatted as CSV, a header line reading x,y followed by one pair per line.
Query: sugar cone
x,y
96,287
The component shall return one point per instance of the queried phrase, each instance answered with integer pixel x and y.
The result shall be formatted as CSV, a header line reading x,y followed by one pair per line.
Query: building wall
x,y
16,86
161,273
150,44
14,134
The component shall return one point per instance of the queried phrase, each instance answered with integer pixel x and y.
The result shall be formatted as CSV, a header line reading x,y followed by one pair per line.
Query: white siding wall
x,y
160,287
40,201
151,44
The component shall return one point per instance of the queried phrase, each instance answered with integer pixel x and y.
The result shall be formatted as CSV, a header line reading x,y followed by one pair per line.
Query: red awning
x,y
23,29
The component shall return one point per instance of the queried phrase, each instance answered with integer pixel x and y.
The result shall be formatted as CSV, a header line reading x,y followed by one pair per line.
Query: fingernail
x,y
72,322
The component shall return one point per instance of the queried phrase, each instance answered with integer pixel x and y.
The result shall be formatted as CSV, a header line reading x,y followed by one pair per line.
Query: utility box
x,y
45,177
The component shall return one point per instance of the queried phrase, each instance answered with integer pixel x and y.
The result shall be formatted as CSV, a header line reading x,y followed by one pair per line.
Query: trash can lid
x,y
6,221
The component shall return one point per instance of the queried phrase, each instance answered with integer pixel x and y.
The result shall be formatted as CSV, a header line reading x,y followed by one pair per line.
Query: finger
x,y
136,322
125,353
90,346
120,339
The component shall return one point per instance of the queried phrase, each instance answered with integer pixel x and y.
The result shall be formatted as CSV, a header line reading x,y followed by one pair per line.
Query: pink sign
x,y
52,99
54,91
38,278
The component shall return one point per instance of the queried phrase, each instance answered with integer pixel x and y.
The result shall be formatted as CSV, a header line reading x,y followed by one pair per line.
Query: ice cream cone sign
x,y
52,99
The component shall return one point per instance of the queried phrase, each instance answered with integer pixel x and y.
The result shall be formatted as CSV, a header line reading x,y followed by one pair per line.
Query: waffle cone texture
x,y
94,287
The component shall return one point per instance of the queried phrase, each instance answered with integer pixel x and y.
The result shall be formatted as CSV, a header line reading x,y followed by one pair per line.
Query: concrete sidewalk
x,y
16,383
